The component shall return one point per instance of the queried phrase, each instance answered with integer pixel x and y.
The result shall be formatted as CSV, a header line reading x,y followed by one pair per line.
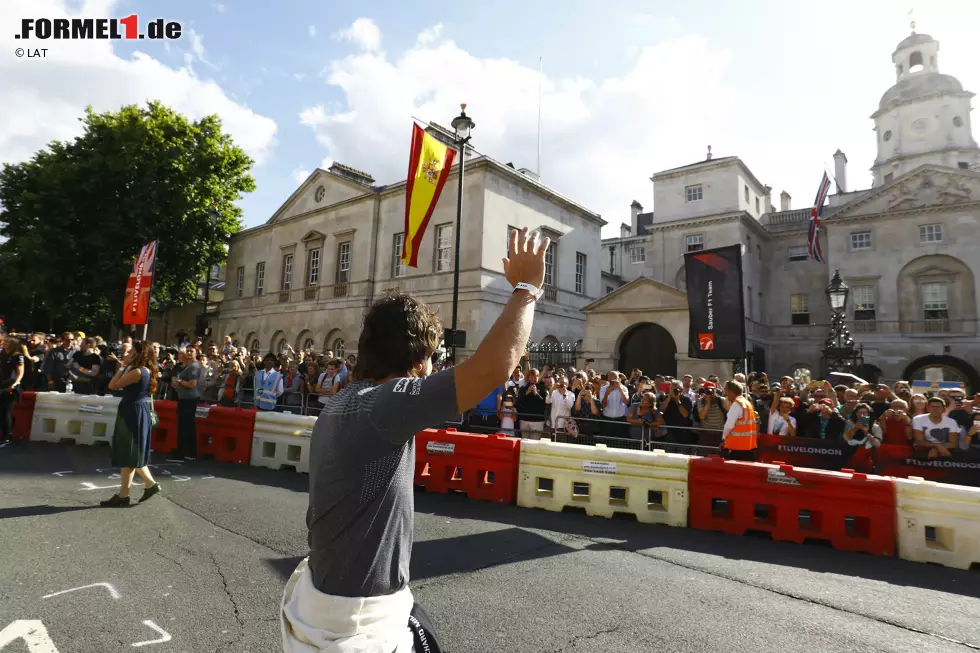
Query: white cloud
x,y
300,174
197,48
313,33
301,76
364,33
602,137
430,35
220,8
42,100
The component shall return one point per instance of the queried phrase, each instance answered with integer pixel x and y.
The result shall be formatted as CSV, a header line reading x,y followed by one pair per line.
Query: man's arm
x,y
502,349
734,413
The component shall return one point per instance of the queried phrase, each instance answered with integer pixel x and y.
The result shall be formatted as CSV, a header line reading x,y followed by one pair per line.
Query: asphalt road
x,y
202,569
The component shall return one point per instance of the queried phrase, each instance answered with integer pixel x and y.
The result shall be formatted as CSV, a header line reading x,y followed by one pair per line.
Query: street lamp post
x,y
462,126
214,218
840,353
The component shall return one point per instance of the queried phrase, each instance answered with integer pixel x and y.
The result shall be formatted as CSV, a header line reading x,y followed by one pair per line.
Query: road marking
x,y
4,445
113,477
169,463
164,635
34,634
92,486
62,473
207,477
113,592
179,478
105,469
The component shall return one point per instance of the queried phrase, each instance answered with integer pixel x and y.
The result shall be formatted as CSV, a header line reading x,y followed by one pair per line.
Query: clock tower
x,y
924,118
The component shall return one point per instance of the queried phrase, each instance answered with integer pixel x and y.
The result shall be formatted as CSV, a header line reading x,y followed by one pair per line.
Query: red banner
x,y
138,287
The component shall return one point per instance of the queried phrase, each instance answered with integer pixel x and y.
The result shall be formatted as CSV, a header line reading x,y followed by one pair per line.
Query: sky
x,y
627,88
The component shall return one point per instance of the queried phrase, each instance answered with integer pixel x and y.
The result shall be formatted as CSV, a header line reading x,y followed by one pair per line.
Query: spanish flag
x,y
428,170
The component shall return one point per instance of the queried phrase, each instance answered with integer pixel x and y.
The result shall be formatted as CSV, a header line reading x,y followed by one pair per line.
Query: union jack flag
x,y
813,238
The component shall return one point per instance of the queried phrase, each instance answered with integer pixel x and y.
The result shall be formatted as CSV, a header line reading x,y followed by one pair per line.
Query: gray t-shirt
x,y
362,463
190,373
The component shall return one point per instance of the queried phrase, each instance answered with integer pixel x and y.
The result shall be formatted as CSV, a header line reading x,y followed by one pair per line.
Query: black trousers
x,y
7,401
186,428
424,631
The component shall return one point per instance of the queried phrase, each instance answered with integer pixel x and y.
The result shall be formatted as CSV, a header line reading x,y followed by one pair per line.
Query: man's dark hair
x,y
399,331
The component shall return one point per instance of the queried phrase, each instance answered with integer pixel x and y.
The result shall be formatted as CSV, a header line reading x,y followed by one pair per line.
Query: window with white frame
x,y
746,193
930,233
864,303
549,265
240,281
580,273
757,205
313,267
444,247
259,278
798,253
397,267
215,272
638,254
287,272
343,262
693,193
935,300
694,242
799,306
860,240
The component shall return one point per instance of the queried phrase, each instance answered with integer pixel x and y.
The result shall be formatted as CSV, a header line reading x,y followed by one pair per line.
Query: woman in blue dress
x,y
136,378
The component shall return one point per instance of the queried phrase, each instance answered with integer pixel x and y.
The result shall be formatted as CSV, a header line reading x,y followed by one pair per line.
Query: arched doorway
x,y
870,373
943,368
649,347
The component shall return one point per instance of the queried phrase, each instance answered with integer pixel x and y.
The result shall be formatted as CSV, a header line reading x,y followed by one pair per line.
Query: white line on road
x,y
93,486
62,473
34,634
113,592
164,635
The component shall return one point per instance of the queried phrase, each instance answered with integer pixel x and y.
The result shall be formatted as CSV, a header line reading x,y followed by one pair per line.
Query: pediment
x,y
640,295
934,271
313,235
320,190
924,188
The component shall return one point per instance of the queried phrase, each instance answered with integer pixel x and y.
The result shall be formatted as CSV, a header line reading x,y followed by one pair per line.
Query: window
x,y
240,281
281,345
695,242
860,240
313,267
343,262
748,295
693,193
638,254
259,278
216,272
254,347
287,272
580,273
397,267
748,245
339,347
799,306
308,344
930,233
864,304
797,253
934,301
510,230
757,205
964,165
746,193
444,247
758,252
609,289
549,265
889,176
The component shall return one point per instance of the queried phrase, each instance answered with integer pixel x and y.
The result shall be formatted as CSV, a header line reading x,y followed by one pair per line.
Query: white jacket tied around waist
x,y
314,622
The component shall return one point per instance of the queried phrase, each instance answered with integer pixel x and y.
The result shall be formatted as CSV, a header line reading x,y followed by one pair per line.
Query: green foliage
x,y
76,215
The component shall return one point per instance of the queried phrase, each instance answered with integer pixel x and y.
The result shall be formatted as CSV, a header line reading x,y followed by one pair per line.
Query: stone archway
x,y
680,279
278,342
649,347
949,368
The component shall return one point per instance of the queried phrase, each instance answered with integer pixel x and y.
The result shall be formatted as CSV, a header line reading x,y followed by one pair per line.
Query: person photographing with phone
x,y
860,430
676,409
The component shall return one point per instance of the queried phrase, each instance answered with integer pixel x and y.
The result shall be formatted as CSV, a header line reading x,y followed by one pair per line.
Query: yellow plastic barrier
x,y
938,523
282,440
86,419
649,484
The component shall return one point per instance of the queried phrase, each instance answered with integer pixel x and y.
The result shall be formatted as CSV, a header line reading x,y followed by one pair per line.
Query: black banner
x,y
714,299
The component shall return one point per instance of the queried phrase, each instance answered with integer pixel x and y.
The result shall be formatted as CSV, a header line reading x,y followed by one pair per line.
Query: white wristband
x,y
535,292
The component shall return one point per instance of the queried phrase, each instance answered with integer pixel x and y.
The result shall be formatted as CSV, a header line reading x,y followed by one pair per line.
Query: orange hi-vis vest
x,y
743,434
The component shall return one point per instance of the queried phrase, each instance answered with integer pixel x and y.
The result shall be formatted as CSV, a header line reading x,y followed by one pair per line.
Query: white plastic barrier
x,y
649,484
86,419
937,522
282,440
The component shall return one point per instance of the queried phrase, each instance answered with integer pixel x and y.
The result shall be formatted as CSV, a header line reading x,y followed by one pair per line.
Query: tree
x,y
76,215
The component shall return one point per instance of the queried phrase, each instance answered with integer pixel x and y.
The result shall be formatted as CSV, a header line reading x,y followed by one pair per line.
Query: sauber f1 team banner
x,y
138,287
714,299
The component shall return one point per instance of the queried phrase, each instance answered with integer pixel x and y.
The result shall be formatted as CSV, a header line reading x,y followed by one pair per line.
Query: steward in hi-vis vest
x,y
741,427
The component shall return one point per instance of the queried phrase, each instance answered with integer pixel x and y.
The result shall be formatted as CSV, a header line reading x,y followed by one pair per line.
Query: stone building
x,y
306,276
908,247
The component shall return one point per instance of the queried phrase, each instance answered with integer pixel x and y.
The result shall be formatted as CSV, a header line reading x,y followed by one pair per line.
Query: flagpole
x,y
540,79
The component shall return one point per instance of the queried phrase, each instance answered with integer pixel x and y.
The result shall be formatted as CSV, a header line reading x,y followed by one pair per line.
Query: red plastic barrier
x,y
23,414
225,433
164,438
484,467
813,453
852,511
902,461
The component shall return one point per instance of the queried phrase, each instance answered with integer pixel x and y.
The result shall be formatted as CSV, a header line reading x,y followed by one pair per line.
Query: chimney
x,y
785,201
767,193
635,209
840,170
624,231
709,154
